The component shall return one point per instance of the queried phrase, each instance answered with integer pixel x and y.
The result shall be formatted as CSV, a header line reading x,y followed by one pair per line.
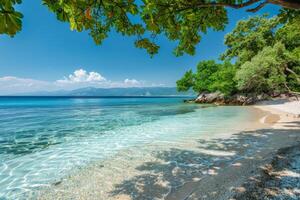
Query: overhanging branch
x,y
258,7
291,4
235,6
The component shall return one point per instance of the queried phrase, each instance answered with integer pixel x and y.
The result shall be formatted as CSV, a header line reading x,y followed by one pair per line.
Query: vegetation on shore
x,y
263,57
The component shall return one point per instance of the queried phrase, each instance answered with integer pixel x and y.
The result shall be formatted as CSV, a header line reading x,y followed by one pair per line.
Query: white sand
x,y
283,114
280,105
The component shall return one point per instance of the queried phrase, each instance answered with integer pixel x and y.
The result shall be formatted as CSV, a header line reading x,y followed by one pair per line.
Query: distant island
x,y
130,91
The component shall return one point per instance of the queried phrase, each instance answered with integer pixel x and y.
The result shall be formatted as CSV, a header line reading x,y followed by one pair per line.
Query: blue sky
x,y
46,51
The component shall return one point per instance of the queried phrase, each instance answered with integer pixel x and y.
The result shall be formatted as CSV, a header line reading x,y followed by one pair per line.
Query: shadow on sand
x,y
176,167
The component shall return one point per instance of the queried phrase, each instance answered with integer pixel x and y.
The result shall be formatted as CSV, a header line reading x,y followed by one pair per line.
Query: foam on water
x,y
44,139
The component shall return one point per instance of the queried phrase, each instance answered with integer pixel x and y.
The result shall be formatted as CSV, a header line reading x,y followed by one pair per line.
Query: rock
x,y
220,99
249,101
276,94
210,98
58,182
201,98
262,97
241,99
189,101
213,97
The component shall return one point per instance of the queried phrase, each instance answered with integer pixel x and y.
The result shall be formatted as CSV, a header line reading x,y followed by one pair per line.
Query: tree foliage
x,y
10,19
209,77
266,47
265,71
179,20
249,37
266,52
223,79
186,82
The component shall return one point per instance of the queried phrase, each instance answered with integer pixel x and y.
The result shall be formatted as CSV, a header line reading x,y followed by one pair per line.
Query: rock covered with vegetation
x,y
262,60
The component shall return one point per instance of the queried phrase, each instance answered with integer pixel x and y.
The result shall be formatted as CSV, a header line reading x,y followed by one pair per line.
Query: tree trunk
x,y
292,72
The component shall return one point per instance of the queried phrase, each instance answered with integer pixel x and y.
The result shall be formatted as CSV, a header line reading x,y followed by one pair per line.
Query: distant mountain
x,y
133,91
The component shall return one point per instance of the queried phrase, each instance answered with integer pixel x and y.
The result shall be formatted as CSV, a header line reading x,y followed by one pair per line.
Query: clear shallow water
x,y
44,139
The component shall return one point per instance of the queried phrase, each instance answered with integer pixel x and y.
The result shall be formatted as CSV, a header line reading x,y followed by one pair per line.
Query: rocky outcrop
x,y
238,99
215,97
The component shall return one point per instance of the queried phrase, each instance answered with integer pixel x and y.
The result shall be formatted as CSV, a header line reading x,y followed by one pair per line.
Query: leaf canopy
x,y
181,21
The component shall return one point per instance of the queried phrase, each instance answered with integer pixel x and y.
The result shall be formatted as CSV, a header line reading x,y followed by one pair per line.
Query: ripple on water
x,y
39,146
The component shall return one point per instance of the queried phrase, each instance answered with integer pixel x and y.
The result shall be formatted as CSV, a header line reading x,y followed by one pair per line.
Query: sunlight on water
x,y
44,139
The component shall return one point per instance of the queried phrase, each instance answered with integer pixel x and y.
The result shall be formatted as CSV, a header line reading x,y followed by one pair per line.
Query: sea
x,y
44,139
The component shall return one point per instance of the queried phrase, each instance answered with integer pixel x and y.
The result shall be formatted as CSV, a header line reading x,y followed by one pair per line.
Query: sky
x,y
46,55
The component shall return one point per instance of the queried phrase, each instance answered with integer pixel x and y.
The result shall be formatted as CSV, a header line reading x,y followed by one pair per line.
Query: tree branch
x,y
291,4
235,6
292,72
2,11
261,5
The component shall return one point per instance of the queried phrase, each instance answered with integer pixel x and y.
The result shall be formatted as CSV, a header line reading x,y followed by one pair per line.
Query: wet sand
x,y
209,168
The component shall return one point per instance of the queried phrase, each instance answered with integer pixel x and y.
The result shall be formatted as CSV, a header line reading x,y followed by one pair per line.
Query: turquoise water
x,y
42,139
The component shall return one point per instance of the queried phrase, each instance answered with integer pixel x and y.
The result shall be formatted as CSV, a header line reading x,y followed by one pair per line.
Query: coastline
x,y
232,182
279,178
282,113
236,157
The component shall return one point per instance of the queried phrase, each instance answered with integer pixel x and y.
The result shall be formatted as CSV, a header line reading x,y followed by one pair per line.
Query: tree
x,y
186,82
252,38
179,20
265,72
204,75
249,37
223,79
209,77
289,35
266,52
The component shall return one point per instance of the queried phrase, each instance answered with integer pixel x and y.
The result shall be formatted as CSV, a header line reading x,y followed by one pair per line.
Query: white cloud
x,y
82,76
13,85
132,82
78,79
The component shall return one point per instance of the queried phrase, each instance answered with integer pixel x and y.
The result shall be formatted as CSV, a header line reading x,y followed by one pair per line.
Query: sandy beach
x,y
232,182
176,173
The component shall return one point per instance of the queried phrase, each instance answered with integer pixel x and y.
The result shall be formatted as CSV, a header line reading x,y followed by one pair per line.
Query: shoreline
x,y
231,182
281,112
235,156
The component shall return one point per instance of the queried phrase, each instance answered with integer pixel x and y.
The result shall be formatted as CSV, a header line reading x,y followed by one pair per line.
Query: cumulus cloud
x,y
78,79
82,76
131,82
